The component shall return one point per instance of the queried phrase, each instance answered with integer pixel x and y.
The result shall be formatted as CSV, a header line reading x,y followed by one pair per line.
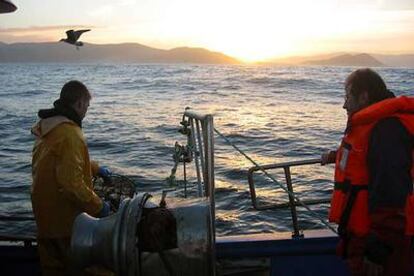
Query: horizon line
x,y
271,59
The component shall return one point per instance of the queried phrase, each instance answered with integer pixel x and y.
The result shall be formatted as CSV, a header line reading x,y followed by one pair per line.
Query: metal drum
x,y
122,241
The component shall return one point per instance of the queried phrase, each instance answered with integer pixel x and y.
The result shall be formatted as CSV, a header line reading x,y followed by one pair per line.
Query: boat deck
x,y
255,254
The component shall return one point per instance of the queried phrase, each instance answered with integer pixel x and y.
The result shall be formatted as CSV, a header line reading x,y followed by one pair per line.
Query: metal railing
x,y
201,139
292,203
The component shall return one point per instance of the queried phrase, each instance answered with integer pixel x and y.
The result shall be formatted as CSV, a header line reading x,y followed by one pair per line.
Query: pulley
x,y
110,242
142,238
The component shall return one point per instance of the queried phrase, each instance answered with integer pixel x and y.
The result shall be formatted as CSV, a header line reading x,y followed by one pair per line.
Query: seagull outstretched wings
x,y
74,35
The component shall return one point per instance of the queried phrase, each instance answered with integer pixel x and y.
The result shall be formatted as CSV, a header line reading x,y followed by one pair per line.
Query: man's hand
x,y
328,157
106,210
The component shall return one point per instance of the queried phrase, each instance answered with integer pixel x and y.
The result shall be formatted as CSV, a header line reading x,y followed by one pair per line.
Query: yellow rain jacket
x,y
62,177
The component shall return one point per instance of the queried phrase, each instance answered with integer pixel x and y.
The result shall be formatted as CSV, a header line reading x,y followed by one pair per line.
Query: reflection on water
x,y
274,114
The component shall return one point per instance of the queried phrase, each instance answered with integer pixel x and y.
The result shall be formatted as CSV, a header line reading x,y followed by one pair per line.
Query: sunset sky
x,y
250,30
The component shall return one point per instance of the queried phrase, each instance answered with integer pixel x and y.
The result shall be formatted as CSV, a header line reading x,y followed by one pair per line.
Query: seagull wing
x,y
71,35
7,6
78,33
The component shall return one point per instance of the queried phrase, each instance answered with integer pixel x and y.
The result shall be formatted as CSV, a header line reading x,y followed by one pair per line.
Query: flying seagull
x,y
7,6
73,36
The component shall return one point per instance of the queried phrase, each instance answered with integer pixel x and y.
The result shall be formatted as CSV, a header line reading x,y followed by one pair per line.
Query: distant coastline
x,y
346,59
138,53
126,53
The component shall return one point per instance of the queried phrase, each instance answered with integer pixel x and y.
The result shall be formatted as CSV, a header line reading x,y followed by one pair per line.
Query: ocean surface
x,y
274,114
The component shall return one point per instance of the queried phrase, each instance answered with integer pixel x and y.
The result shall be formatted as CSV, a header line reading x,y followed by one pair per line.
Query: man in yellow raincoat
x,y
62,177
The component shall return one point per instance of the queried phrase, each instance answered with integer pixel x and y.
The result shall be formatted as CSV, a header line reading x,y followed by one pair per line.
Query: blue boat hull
x,y
313,255
280,254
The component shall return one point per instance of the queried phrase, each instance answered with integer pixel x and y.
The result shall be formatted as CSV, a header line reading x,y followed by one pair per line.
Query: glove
x,y
104,172
328,157
106,209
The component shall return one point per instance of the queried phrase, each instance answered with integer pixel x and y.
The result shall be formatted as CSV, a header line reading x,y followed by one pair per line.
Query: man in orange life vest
x,y
373,201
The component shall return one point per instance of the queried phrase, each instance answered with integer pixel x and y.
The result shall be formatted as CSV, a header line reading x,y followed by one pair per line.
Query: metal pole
x,y
208,128
200,147
252,188
196,158
292,205
209,147
185,180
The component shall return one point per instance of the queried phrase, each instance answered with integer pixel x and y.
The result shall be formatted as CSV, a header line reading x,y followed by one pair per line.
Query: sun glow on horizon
x,y
247,30
267,29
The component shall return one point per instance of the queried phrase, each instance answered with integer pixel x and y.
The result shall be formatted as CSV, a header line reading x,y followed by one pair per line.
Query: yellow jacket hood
x,y
44,126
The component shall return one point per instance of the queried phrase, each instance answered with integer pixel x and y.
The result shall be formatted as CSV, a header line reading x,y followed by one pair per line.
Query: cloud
x,y
39,29
102,12
396,5
387,5
38,33
126,2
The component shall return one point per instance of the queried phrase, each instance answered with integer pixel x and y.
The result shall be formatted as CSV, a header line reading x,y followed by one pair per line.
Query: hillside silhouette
x,y
126,52
348,60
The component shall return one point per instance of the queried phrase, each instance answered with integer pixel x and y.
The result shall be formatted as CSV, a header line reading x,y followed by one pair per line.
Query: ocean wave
x,y
231,87
260,80
23,94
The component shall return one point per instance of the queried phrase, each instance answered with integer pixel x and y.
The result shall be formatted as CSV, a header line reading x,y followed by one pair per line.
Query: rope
x,y
178,152
315,215
182,153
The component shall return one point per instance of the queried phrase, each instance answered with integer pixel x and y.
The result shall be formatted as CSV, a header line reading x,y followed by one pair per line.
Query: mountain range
x,y
138,53
126,52
347,59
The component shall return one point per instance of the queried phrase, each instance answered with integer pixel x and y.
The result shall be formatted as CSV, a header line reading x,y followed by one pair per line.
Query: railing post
x,y
209,180
292,204
203,132
251,187
196,149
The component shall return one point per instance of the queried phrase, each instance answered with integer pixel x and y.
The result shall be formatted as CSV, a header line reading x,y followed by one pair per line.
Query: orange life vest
x,y
349,204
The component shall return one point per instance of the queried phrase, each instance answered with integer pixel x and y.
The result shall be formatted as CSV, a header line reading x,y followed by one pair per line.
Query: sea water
x,y
274,114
